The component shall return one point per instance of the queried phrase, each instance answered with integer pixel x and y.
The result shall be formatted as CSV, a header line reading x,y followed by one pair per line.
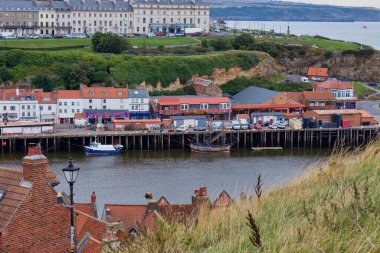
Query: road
x,y
372,107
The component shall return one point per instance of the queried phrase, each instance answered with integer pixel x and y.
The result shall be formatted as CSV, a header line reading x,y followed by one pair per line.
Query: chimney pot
x,y
31,149
108,213
93,198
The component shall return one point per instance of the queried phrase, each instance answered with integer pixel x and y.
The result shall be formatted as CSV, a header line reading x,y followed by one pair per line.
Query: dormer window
x,y
184,107
119,93
105,93
46,99
92,93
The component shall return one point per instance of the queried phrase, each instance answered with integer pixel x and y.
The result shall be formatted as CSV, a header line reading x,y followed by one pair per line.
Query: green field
x,y
319,42
73,43
362,91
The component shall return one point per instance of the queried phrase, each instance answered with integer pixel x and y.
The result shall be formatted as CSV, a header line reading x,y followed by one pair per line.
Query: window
x,y
104,107
90,100
60,103
119,93
49,108
224,106
4,108
41,108
65,110
90,107
72,103
13,108
78,103
104,100
204,106
77,110
72,110
184,107
65,103
60,110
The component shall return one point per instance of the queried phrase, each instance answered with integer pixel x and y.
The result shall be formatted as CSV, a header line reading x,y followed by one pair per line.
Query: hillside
x,y
333,208
287,11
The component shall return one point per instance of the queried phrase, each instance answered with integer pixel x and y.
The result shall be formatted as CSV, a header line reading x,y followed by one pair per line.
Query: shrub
x,y
244,41
109,43
43,82
5,74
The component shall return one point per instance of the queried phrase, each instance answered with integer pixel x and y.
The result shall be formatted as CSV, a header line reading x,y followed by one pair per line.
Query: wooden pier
x,y
75,139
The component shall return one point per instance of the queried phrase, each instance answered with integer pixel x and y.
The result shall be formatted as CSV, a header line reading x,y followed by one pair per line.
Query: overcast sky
x,y
362,3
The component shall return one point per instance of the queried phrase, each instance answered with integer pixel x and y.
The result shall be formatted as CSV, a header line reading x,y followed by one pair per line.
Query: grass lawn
x,y
57,43
361,91
321,43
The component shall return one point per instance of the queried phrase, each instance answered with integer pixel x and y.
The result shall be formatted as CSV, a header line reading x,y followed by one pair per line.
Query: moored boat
x,y
98,148
210,148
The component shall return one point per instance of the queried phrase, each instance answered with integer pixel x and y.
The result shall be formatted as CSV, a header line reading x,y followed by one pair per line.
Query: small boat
x,y
210,148
98,148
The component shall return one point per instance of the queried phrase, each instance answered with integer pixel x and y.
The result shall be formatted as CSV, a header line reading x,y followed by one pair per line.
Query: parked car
x,y
372,84
281,125
170,35
180,34
235,125
35,36
228,125
182,128
47,36
82,36
160,34
273,126
258,127
200,128
206,34
149,35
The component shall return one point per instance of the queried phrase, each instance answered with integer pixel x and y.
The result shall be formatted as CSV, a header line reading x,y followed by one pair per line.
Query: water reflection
x,y
126,178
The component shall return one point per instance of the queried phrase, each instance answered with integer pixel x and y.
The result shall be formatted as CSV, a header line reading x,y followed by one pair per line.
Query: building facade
x,y
85,17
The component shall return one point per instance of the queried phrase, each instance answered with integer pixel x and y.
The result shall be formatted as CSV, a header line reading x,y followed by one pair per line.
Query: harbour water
x,y
176,174
346,31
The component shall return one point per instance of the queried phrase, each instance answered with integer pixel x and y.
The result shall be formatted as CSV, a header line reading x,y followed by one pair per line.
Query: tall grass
x,y
335,207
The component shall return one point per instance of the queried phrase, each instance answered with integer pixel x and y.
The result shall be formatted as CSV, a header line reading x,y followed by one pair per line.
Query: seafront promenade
x,y
76,139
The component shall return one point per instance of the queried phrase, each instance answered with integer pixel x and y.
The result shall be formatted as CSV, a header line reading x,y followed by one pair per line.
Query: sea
x,y
367,33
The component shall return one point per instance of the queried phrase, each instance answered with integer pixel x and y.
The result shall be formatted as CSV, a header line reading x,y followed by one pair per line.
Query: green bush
x,y
244,41
43,81
109,43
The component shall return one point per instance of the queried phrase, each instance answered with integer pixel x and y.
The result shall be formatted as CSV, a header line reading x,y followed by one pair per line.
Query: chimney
x,y
108,215
200,198
93,205
35,166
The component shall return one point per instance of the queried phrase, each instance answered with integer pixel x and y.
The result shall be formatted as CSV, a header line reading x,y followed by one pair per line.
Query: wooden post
x,y
169,141
183,141
25,146
69,144
126,142
141,142
47,144
245,139
148,136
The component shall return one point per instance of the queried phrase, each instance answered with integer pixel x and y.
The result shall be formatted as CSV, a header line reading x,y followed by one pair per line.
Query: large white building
x,y
85,17
69,102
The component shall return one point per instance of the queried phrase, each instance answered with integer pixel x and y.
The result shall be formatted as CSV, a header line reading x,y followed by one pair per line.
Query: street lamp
x,y
71,173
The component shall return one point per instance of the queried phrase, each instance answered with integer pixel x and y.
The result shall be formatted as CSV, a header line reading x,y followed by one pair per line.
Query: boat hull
x,y
210,149
90,150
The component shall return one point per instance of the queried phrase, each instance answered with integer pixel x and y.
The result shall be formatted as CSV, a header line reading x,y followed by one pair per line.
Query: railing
x,y
194,111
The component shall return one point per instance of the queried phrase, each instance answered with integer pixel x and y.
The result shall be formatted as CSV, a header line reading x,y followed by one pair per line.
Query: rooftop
x,y
319,95
253,95
312,71
334,85
103,92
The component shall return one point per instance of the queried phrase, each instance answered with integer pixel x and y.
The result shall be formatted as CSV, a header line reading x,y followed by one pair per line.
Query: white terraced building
x,y
85,17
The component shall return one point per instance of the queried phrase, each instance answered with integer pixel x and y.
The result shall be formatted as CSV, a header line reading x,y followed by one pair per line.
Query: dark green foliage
x,y
221,44
76,74
328,54
244,41
109,43
100,77
234,86
187,90
5,75
43,82
367,52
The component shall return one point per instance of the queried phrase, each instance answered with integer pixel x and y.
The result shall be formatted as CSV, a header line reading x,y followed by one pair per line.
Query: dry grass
x,y
334,208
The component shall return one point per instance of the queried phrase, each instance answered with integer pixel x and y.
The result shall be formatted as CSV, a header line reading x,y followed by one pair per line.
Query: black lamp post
x,y
71,173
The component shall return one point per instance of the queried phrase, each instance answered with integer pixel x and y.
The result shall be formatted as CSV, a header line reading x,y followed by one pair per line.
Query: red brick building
x,y
204,87
315,100
30,218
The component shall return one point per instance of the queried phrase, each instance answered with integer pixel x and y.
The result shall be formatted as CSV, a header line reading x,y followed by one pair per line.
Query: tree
x,y
221,44
76,74
5,75
244,41
109,43
43,82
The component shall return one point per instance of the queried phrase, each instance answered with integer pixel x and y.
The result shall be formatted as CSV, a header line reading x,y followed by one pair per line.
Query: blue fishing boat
x,y
98,148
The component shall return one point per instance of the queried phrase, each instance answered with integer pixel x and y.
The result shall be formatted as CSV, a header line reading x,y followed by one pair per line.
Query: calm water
x,y
126,178
347,31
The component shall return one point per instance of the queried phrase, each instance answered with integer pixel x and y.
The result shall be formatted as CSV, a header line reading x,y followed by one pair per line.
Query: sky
x,y
361,3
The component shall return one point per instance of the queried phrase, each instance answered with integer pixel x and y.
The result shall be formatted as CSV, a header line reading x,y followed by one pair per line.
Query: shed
x,y
189,121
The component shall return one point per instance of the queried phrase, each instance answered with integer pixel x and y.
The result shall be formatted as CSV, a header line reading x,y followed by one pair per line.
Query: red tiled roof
x,y
48,98
14,195
86,208
323,72
7,94
275,107
163,201
88,224
223,200
132,216
92,246
104,92
334,85
296,96
192,100
68,94
319,95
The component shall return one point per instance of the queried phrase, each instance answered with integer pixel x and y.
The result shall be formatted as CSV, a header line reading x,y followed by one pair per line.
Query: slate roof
x,y
102,5
253,95
16,191
189,2
138,93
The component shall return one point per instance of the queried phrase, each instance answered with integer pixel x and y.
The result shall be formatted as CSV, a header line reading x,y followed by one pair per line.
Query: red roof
x,y
104,92
296,96
333,85
318,72
86,208
88,224
92,246
15,194
261,106
191,100
319,95
69,94
16,94
132,216
48,98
